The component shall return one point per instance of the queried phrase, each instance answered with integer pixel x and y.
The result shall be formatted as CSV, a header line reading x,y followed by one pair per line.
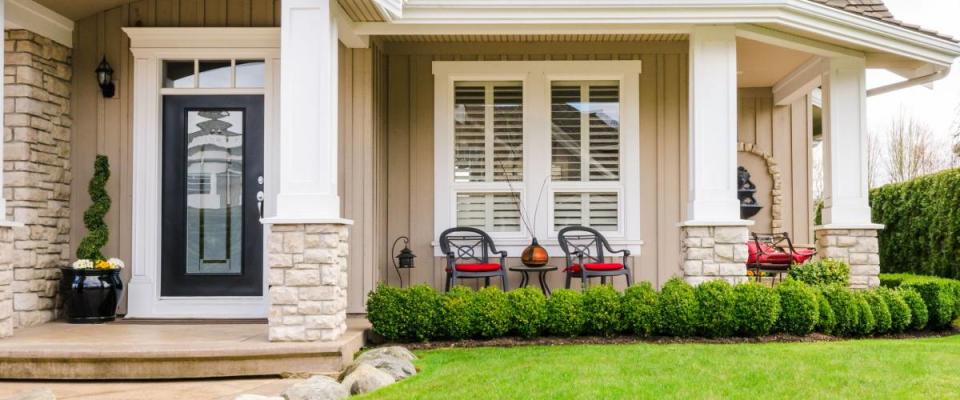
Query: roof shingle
x,y
877,10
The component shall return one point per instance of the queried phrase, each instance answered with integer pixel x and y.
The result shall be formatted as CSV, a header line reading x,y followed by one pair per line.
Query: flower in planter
x,y
116,263
82,264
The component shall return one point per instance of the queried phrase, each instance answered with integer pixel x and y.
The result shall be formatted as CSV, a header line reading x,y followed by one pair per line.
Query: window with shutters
x,y
525,148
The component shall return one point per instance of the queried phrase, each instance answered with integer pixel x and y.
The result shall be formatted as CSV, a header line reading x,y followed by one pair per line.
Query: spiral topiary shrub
x,y
757,309
826,319
527,311
603,311
919,315
678,309
489,313
799,308
640,309
386,312
900,315
565,315
881,312
455,311
97,231
716,303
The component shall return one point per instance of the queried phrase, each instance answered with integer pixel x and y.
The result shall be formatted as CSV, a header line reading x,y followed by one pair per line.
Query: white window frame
x,y
536,78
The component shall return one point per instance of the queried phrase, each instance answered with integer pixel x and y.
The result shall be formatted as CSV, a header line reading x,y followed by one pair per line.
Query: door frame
x,y
150,47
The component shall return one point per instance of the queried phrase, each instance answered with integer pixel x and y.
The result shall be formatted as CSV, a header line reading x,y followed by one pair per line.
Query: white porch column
x,y
3,137
714,237
307,251
308,112
847,232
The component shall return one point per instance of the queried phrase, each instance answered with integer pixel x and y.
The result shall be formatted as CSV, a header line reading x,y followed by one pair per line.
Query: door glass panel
x,y
250,73
178,74
214,192
215,74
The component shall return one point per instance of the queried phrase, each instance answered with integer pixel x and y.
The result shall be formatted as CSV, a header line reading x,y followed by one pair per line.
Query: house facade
x,y
266,154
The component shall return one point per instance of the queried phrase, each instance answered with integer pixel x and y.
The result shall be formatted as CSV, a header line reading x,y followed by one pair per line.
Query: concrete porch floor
x,y
193,389
130,350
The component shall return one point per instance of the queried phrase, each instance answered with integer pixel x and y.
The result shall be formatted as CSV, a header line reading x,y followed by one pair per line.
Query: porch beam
x,y
308,113
713,126
846,197
799,82
776,38
346,30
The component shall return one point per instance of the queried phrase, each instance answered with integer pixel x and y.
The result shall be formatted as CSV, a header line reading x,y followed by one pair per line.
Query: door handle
x,y
260,200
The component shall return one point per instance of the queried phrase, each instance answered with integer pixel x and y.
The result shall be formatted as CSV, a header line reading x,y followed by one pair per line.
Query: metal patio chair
x,y
468,252
583,249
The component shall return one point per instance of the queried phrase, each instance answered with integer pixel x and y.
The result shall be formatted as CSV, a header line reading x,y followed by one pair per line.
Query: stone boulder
x,y
365,378
318,387
38,394
391,351
397,368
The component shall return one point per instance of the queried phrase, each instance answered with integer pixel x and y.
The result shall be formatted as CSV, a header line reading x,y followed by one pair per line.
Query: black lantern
x,y
105,78
404,260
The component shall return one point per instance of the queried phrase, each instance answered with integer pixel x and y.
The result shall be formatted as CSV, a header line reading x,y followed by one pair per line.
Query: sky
x,y
937,108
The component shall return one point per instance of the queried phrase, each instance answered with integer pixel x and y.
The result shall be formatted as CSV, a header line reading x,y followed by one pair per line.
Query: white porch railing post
x,y
714,237
847,232
308,112
713,125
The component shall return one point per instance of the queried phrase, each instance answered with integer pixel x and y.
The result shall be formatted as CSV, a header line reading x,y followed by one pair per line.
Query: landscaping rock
x,y
392,351
318,387
257,397
365,378
38,394
397,368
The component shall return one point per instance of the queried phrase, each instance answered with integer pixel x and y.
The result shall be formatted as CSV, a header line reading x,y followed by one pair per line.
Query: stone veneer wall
x,y
858,247
308,282
6,278
37,169
714,252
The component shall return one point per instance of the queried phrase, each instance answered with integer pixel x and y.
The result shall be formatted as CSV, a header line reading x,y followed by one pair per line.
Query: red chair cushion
x,y
776,258
753,253
596,267
801,256
476,267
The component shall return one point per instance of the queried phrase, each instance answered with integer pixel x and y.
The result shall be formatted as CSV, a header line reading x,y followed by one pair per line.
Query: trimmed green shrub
x,y
799,308
822,272
881,312
866,321
826,319
919,316
97,231
385,311
603,311
565,316
845,308
640,309
757,309
455,309
716,301
900,315
422,310
922,224
940,300
527,311
677,308
489,312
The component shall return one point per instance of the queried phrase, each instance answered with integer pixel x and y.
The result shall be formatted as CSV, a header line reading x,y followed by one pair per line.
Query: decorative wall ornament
x,y
745,191
776,193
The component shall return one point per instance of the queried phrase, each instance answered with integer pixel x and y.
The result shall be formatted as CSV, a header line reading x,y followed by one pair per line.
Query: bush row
x,y
712,309
941,295
922,224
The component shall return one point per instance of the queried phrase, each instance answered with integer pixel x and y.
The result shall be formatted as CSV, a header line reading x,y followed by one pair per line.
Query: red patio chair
x,y
775,253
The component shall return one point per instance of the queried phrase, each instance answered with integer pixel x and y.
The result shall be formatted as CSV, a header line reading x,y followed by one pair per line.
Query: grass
x,y
856,369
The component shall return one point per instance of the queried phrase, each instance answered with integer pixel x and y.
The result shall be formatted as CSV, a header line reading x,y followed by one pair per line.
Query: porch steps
x,y
59,350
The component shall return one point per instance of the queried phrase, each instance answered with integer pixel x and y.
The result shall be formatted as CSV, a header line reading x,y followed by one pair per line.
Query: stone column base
x,y
308,282
858,247
6,279
714,252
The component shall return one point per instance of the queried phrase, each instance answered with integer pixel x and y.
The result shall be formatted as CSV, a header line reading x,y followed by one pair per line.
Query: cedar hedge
x,y
922,224
712,309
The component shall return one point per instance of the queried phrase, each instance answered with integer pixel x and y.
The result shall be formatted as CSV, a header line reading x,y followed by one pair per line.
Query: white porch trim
x,y
30,15
150,46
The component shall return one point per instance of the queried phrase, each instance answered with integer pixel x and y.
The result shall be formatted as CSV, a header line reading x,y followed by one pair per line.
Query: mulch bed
x,y
557,341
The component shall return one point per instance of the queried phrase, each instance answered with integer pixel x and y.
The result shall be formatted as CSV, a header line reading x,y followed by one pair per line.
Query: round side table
x,y
541,276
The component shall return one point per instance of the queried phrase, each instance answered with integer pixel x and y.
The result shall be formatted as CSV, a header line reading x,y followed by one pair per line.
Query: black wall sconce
x,y
403,260
105,78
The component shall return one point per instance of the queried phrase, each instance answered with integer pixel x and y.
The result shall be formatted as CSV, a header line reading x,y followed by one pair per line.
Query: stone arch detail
x,y
776,209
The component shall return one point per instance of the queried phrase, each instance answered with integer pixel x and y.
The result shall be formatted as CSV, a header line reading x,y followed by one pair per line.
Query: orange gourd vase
x,y
534,255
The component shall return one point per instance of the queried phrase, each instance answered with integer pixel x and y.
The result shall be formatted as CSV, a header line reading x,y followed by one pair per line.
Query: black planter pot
x,y
90,296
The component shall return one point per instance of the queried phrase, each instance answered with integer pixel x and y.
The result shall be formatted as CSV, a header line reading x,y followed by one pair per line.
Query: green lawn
x,y
856,369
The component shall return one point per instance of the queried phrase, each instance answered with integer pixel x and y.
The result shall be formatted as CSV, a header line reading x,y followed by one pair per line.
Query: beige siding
x,y
784,133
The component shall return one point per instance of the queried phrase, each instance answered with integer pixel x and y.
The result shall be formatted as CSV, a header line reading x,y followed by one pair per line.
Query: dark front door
x,y
212,183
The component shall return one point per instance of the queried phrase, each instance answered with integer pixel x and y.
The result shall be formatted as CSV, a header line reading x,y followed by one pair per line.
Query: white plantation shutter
x,y
585,120
492,212
488,132
598,210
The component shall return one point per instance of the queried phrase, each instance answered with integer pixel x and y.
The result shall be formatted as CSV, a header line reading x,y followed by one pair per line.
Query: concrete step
x,y
130,351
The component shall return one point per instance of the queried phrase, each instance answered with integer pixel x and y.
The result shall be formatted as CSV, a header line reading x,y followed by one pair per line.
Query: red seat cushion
x,y
596,267
476,267
801,256
776,258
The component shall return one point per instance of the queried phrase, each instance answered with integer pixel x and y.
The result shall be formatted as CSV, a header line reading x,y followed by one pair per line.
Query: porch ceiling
x,y
536,38
763,65
79,9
